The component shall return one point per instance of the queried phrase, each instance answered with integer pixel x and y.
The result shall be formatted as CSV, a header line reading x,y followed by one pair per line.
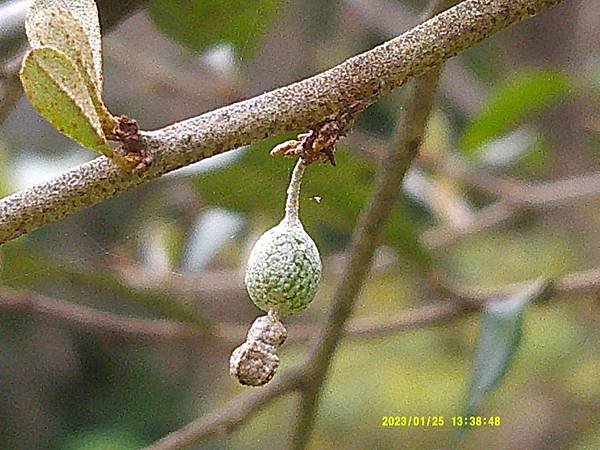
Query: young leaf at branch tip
x,y
86,13
56,89
51,24
57,28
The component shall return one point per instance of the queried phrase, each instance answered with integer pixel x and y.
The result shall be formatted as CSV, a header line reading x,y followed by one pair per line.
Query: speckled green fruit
x,y
284,269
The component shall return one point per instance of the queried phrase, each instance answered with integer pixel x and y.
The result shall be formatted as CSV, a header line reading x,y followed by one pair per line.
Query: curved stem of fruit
x,y
293,194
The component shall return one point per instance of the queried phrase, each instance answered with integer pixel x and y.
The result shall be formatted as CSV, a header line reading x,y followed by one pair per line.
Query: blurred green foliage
x,y
512,101
200,24
103,440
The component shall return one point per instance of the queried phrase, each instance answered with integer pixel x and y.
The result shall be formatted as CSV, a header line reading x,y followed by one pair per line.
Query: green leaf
x,y
41,23
57,90
201,24
50,24
499,337
513,102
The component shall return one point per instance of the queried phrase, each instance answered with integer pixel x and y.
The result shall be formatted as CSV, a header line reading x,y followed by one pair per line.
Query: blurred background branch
x,y
460,301
513,196
404,148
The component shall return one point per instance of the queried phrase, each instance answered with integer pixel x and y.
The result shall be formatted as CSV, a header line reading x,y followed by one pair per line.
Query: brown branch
x,y
549,193
361,80
85,318
232,414
488,217
102,323
572,284
460,300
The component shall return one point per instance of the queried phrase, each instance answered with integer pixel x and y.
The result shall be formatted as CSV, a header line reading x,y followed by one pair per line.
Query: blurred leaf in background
x,y
512,101
500,332
200,24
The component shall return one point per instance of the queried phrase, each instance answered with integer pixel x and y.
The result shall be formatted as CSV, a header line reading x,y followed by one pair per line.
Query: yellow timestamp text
x,y
440,421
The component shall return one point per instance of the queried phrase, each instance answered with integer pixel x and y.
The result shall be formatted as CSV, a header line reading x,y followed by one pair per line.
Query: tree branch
x,y
88,319
232,414
360,79
549,193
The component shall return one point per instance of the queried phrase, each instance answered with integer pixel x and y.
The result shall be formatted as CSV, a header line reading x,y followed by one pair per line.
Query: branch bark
x,y
232,414
360,79
459,301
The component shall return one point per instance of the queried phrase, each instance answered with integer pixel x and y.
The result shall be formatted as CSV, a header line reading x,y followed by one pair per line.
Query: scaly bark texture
x,y
360,79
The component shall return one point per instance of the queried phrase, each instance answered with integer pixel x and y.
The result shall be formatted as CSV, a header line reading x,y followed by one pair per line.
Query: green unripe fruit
x,y
284,269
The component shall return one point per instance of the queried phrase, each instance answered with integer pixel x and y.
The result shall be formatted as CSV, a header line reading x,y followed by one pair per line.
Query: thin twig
x,y
514,196
459,300
549,193
10,92
85,318
232,414
361,80
443,235
575,283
